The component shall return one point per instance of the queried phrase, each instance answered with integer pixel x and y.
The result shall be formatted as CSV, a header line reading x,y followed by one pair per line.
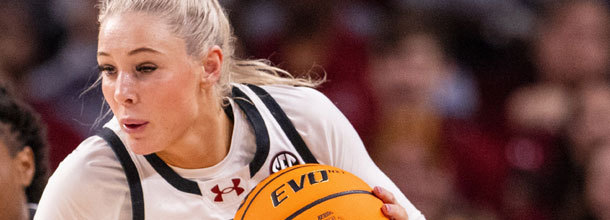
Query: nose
x,y
125,91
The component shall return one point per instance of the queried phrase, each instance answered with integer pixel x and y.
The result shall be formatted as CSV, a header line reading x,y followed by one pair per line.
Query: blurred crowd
x,y
475,109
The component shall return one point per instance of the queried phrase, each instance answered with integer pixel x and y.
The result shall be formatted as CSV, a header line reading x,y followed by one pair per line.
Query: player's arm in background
x,y
334,141
88,184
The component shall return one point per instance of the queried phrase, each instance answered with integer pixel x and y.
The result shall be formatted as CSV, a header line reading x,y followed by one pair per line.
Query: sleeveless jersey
x,y
278,145
104,179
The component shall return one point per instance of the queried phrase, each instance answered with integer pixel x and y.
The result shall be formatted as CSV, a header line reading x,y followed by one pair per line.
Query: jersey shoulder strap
x,y
131,172
133,178
285,123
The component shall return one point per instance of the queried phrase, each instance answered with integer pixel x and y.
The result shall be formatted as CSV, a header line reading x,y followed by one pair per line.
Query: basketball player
x,y
194,128
23,172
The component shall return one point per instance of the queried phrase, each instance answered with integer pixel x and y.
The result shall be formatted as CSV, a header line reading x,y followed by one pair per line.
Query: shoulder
x,y
325,130
303,102
88,182
296,92
92,156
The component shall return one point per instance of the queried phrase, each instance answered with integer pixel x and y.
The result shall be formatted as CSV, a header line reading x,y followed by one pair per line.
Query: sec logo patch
x,y
283,160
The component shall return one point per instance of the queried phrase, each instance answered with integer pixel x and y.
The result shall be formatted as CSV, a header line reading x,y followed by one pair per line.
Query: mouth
x,y
132,126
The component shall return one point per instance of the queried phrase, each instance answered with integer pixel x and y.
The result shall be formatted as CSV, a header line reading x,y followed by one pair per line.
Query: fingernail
x,y
377,189
387,208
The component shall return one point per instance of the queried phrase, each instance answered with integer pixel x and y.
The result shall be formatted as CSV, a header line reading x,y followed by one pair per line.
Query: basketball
x,y
311,191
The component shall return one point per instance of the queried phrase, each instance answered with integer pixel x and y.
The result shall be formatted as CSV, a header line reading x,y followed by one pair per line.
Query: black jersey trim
x,y
260,129
178,182
228,110
133,178
173,178
282,119
326,198
262,150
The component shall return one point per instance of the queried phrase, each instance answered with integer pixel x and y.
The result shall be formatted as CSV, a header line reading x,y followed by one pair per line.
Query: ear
x,y
26,165
212,65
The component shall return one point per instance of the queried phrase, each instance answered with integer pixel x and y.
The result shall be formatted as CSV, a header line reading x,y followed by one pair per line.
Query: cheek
x,y
9,180
108,92
179,101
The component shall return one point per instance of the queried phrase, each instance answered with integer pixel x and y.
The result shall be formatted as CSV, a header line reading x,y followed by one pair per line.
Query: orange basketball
x,y
311,191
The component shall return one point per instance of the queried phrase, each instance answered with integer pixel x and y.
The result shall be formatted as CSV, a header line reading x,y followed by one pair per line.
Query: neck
x,y
205,144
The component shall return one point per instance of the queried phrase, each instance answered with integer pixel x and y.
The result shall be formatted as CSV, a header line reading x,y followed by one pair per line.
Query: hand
x,y
391,208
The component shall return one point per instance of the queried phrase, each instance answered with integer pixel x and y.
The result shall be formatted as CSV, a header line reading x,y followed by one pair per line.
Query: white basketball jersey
x,y
167,195
101,178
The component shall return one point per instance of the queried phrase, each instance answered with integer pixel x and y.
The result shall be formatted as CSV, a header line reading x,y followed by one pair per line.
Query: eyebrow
x,y
136,51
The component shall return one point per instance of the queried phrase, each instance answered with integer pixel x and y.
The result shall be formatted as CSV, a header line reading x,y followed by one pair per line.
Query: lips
x,y
133,125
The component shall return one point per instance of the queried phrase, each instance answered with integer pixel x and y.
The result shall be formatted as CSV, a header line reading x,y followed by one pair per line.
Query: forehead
x,y
130,30
581,13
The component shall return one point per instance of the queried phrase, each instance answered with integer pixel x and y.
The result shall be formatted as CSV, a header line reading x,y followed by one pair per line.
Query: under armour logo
x,y
235,188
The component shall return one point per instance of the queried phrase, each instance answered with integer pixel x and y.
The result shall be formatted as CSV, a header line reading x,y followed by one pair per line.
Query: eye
x,y
107,70
146,68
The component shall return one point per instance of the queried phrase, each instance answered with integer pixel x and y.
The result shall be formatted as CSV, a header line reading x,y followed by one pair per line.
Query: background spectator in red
x,y
319,38
546,145
22,48
420,89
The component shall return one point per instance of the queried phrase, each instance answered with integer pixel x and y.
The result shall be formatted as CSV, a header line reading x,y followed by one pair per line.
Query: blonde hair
x,y
202,24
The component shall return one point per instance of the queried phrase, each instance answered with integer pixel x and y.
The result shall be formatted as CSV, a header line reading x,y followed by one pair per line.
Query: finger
x,y
394,212
390,209
385,195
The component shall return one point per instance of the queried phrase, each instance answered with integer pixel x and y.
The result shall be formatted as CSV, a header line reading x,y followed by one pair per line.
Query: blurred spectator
x,y
520,163
590,123
587,133
420,89
553,121
322,38
572,43
598,182
55,87
60,81
17,42
571,49
20,51
417,69
23,165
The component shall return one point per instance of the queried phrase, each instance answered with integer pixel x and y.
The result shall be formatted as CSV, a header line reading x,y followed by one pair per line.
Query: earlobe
x,y
26,165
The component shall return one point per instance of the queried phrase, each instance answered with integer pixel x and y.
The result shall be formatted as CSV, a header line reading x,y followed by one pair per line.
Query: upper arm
x,y
334,141
88,184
